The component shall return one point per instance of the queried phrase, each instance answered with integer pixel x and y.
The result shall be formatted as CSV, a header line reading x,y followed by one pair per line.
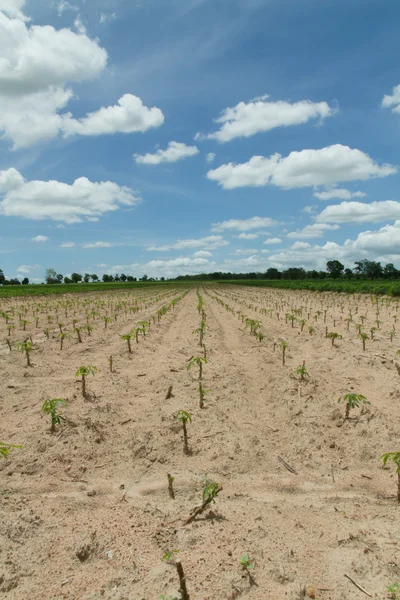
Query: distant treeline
x,y
364,269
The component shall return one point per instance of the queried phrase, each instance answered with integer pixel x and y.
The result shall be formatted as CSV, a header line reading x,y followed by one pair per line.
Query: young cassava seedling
x,y
50,408
394,590
83,372
172,558
184,417
247,566
198,360
170,486
210,492
5,449
26,347
395,458
302,371
284,345
127,337
333,335
353,401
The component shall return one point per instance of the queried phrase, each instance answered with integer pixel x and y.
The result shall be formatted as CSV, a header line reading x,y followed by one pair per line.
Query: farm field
x,y
85,510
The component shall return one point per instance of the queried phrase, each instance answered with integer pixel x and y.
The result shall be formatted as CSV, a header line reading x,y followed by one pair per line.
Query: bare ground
x,y
86,514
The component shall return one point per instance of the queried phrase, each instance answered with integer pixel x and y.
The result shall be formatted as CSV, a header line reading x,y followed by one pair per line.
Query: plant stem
x,y
182,580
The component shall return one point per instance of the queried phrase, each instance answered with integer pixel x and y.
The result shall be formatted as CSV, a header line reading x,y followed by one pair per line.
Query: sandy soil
x,y
85,512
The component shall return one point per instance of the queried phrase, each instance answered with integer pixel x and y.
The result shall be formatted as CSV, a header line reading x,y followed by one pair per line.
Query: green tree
x,y
123,277
94,277
51,276
25,281
86,278
2,277
76,277
334,268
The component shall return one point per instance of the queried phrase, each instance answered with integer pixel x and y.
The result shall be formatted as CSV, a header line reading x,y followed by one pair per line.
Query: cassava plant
x,y
5,449
395,458
302,371
364,337
50,407
284,345
26,348
334,335
127,338
353,401
199,361
185,417
171,557
84,372
210,493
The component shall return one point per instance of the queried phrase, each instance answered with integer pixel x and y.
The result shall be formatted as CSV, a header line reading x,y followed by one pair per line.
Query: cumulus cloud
x,y
202,254
359,212
339,194
381,245
40,239
60,201
37,65
392,101
210,242
128,116
210,157
98,245
13,8
244,224
271,241
315,230
248,236
174,152
159,249
250,251
26,269
260,115
306,168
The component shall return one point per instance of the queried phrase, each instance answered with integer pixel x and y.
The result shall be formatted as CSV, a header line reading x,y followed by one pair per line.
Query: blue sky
x,y
195,135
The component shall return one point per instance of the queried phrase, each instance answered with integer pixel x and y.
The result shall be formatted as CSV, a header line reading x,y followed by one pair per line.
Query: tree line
x,y
364,269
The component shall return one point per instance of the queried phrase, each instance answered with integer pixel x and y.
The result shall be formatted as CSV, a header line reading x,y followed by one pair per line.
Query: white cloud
x,y
174,152
245,120
202,254
79,26
301,169
382,245
159,249
40,238
60,201
210,157
392,101
254,262
359,212
64,5
67,245
300,245
98,245
128,116
250,251
274,240
13,8
104,18
338,193
248,236
173,267
210,242
243,225
37,65
26,269
315,230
